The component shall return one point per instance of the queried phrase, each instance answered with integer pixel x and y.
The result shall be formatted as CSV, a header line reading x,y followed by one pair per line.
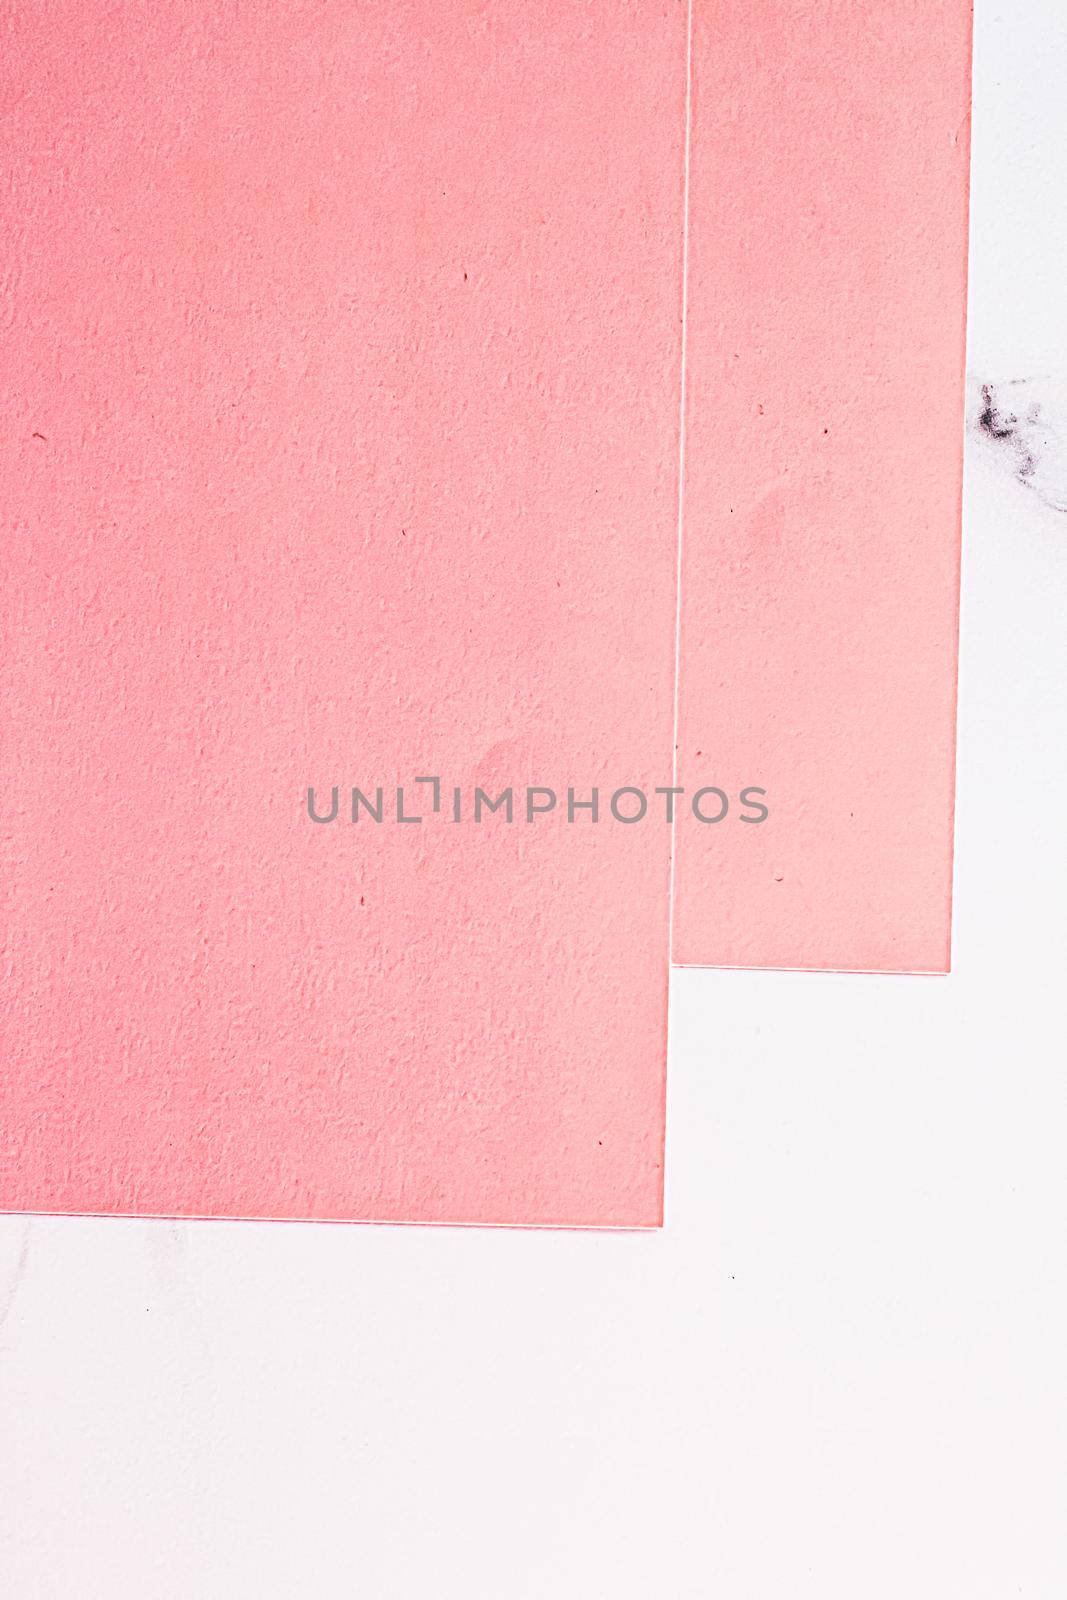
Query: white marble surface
x,y
840,1373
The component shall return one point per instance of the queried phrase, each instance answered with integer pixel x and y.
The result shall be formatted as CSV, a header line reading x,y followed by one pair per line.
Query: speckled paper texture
x,y
820,574
340,438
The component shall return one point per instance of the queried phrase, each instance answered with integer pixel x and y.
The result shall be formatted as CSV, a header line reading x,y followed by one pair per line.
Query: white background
x,y
839,1372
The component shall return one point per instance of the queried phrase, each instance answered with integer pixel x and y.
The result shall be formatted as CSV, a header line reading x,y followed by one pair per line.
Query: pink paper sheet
x,y
340,448
826,303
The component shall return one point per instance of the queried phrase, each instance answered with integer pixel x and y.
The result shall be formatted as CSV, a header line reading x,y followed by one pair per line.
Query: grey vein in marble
x,y
1026,420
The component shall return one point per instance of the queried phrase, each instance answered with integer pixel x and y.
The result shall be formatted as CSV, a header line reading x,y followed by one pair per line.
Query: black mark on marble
x,y
1027,418
1006,425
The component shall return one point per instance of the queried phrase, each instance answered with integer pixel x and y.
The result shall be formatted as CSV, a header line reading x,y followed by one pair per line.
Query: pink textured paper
x,y
826,301
339,446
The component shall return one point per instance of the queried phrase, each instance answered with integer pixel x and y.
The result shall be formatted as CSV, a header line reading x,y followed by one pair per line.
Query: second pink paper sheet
x,y
826,304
